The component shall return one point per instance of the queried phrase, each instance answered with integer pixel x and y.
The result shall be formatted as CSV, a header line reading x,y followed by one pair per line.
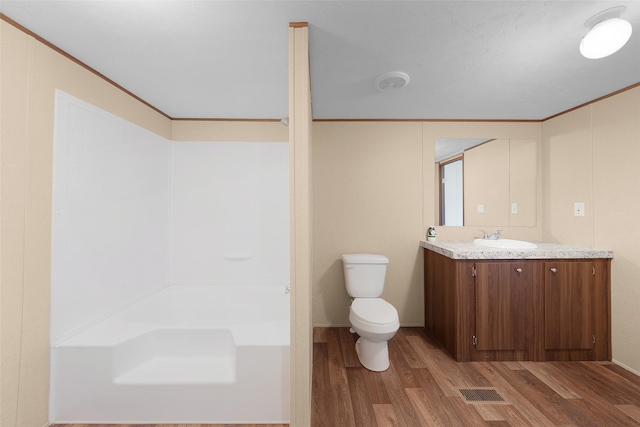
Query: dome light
x,y
606,36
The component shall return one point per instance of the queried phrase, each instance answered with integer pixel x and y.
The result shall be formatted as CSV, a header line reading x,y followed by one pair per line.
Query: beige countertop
x,y
467,250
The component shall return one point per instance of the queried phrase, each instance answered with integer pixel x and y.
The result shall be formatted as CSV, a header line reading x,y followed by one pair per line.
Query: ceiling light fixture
x,y
392,81
607,35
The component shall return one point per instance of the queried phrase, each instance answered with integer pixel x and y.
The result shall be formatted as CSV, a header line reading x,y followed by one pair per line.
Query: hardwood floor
x,y
421,388
169,425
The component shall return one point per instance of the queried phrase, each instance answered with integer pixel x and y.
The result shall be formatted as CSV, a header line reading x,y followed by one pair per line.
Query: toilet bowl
x,y
376,322
371,317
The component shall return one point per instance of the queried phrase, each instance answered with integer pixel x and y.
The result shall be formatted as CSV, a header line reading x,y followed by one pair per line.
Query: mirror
x,y
486,181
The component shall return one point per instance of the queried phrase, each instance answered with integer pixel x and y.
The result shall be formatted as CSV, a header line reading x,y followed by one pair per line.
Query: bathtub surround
x,y
230,213
196,354
133,213
110,239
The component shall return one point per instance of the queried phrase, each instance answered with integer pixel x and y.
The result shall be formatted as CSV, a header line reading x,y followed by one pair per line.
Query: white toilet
x,y
372,318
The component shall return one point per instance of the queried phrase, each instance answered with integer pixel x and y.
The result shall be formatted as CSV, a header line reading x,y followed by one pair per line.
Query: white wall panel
x,y
110,240
230,213
128,220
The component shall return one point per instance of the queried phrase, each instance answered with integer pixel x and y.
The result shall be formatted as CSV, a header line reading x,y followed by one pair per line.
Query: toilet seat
x,y
374,311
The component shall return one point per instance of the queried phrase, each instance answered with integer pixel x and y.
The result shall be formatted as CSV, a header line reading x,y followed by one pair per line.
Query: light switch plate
x,y
480,208
514,208
578,209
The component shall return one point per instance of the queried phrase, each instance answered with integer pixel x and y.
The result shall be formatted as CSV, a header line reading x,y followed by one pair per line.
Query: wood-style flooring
x,y
420,388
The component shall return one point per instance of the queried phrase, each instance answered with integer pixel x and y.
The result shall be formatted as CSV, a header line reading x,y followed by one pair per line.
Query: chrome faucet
x,y
494,236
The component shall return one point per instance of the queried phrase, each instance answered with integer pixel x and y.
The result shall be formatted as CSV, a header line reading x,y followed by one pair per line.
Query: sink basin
x,y
505,244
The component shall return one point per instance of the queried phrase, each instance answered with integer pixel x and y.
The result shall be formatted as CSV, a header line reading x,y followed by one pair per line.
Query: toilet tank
x,y
364,274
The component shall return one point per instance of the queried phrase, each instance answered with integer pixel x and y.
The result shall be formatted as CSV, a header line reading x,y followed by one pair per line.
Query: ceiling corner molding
x,y
431,120
80,63
206,119
593,101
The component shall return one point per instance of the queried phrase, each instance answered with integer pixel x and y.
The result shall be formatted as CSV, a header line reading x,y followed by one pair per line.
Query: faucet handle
x,y
484,234
496,235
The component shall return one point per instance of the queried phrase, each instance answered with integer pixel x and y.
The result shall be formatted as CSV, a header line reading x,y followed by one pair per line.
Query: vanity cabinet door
x,y
503,304
568,305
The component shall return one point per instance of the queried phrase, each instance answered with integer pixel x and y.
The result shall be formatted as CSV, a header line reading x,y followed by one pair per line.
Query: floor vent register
x,y
481,395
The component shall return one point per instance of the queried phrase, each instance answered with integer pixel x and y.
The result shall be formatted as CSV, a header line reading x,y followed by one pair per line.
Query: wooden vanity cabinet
x,y
504,313
577,319
514,310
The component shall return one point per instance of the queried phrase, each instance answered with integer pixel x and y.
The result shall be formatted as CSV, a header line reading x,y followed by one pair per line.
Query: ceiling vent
x,y
392,81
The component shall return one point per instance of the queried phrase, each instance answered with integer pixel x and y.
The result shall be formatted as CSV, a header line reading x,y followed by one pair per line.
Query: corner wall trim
x,y
77,61
593,101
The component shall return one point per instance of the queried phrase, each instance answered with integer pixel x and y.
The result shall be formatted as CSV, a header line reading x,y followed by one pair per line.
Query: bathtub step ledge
x,y
181,370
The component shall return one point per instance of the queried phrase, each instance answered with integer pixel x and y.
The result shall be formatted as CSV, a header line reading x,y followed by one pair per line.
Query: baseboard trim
x,y
331,325
622,365
340,325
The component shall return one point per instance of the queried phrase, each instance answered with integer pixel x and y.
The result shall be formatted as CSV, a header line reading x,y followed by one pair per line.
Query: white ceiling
x,y
228,59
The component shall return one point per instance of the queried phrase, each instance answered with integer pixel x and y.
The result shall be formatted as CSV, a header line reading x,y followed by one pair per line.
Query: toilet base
x,y
373,355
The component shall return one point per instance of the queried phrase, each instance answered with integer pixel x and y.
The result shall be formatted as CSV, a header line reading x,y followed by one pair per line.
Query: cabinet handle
x,y
553,270
518,270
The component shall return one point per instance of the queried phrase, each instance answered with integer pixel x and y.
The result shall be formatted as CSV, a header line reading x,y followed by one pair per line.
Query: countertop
x,y
467,250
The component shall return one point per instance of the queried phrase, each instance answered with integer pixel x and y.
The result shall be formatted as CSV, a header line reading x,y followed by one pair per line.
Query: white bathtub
x,y
186,354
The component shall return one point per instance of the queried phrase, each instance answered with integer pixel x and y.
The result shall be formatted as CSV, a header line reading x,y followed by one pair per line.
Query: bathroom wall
x,y
31,71
367,197
374,191
221,130
230,213
200,162
110,230
591,155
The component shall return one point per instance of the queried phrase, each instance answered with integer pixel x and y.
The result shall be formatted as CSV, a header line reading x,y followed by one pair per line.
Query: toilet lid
x,y
374,310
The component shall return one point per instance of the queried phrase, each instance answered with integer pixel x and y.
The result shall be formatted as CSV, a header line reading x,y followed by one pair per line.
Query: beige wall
x,y
367,183
591,155
228,131
30,74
